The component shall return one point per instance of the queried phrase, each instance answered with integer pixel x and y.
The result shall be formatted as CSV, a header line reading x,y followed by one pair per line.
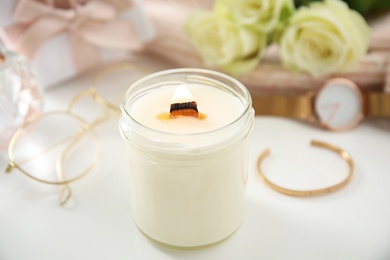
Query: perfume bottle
x,y
20,97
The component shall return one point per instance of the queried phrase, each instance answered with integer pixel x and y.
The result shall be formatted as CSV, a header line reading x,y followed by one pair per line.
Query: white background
x,y
352,223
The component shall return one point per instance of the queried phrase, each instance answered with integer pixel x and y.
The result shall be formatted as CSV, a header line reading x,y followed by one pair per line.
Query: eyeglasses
x,y
50,142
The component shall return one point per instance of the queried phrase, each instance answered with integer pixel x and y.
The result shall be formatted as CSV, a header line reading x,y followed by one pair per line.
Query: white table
x,y
352,223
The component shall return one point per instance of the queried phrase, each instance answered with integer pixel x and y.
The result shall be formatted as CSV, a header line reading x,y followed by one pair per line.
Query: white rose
x,y
265,15
225,44
323,38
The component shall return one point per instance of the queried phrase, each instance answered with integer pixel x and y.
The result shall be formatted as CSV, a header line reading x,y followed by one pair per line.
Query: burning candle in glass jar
x,y
186,132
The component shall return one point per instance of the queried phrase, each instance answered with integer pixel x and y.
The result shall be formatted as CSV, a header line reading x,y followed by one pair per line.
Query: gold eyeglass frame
x,y
65,191
85,128
302,193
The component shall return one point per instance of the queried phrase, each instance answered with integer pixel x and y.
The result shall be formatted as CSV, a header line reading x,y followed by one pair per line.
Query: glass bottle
x,y
20,97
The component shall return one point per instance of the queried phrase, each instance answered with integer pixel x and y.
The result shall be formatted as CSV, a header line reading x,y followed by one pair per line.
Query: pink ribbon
x,y
91,25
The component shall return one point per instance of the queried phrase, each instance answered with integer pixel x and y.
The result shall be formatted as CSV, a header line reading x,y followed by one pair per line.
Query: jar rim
x,y
205,72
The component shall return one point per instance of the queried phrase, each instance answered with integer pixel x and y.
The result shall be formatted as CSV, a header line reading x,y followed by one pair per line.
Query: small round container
x,y
188,189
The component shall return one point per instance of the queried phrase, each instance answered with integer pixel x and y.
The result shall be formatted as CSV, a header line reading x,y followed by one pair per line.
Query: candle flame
x,y
182,105
181,94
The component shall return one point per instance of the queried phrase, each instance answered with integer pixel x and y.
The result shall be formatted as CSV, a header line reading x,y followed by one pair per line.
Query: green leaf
x,y
299,3
361,6
380,4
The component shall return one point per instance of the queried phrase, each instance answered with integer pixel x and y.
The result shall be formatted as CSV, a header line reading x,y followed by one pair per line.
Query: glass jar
x,y
188,189
20,97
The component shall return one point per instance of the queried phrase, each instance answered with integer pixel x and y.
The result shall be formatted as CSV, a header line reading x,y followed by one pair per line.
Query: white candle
x,y
187,174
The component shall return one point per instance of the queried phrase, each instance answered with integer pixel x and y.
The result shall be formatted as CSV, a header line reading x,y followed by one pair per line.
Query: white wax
x,y
221,108
189,203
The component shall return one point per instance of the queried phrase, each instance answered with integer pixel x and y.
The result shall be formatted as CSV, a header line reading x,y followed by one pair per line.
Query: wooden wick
x,y
184,109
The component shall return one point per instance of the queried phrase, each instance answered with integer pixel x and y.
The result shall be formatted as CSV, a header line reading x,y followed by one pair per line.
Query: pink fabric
x,y
91,25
